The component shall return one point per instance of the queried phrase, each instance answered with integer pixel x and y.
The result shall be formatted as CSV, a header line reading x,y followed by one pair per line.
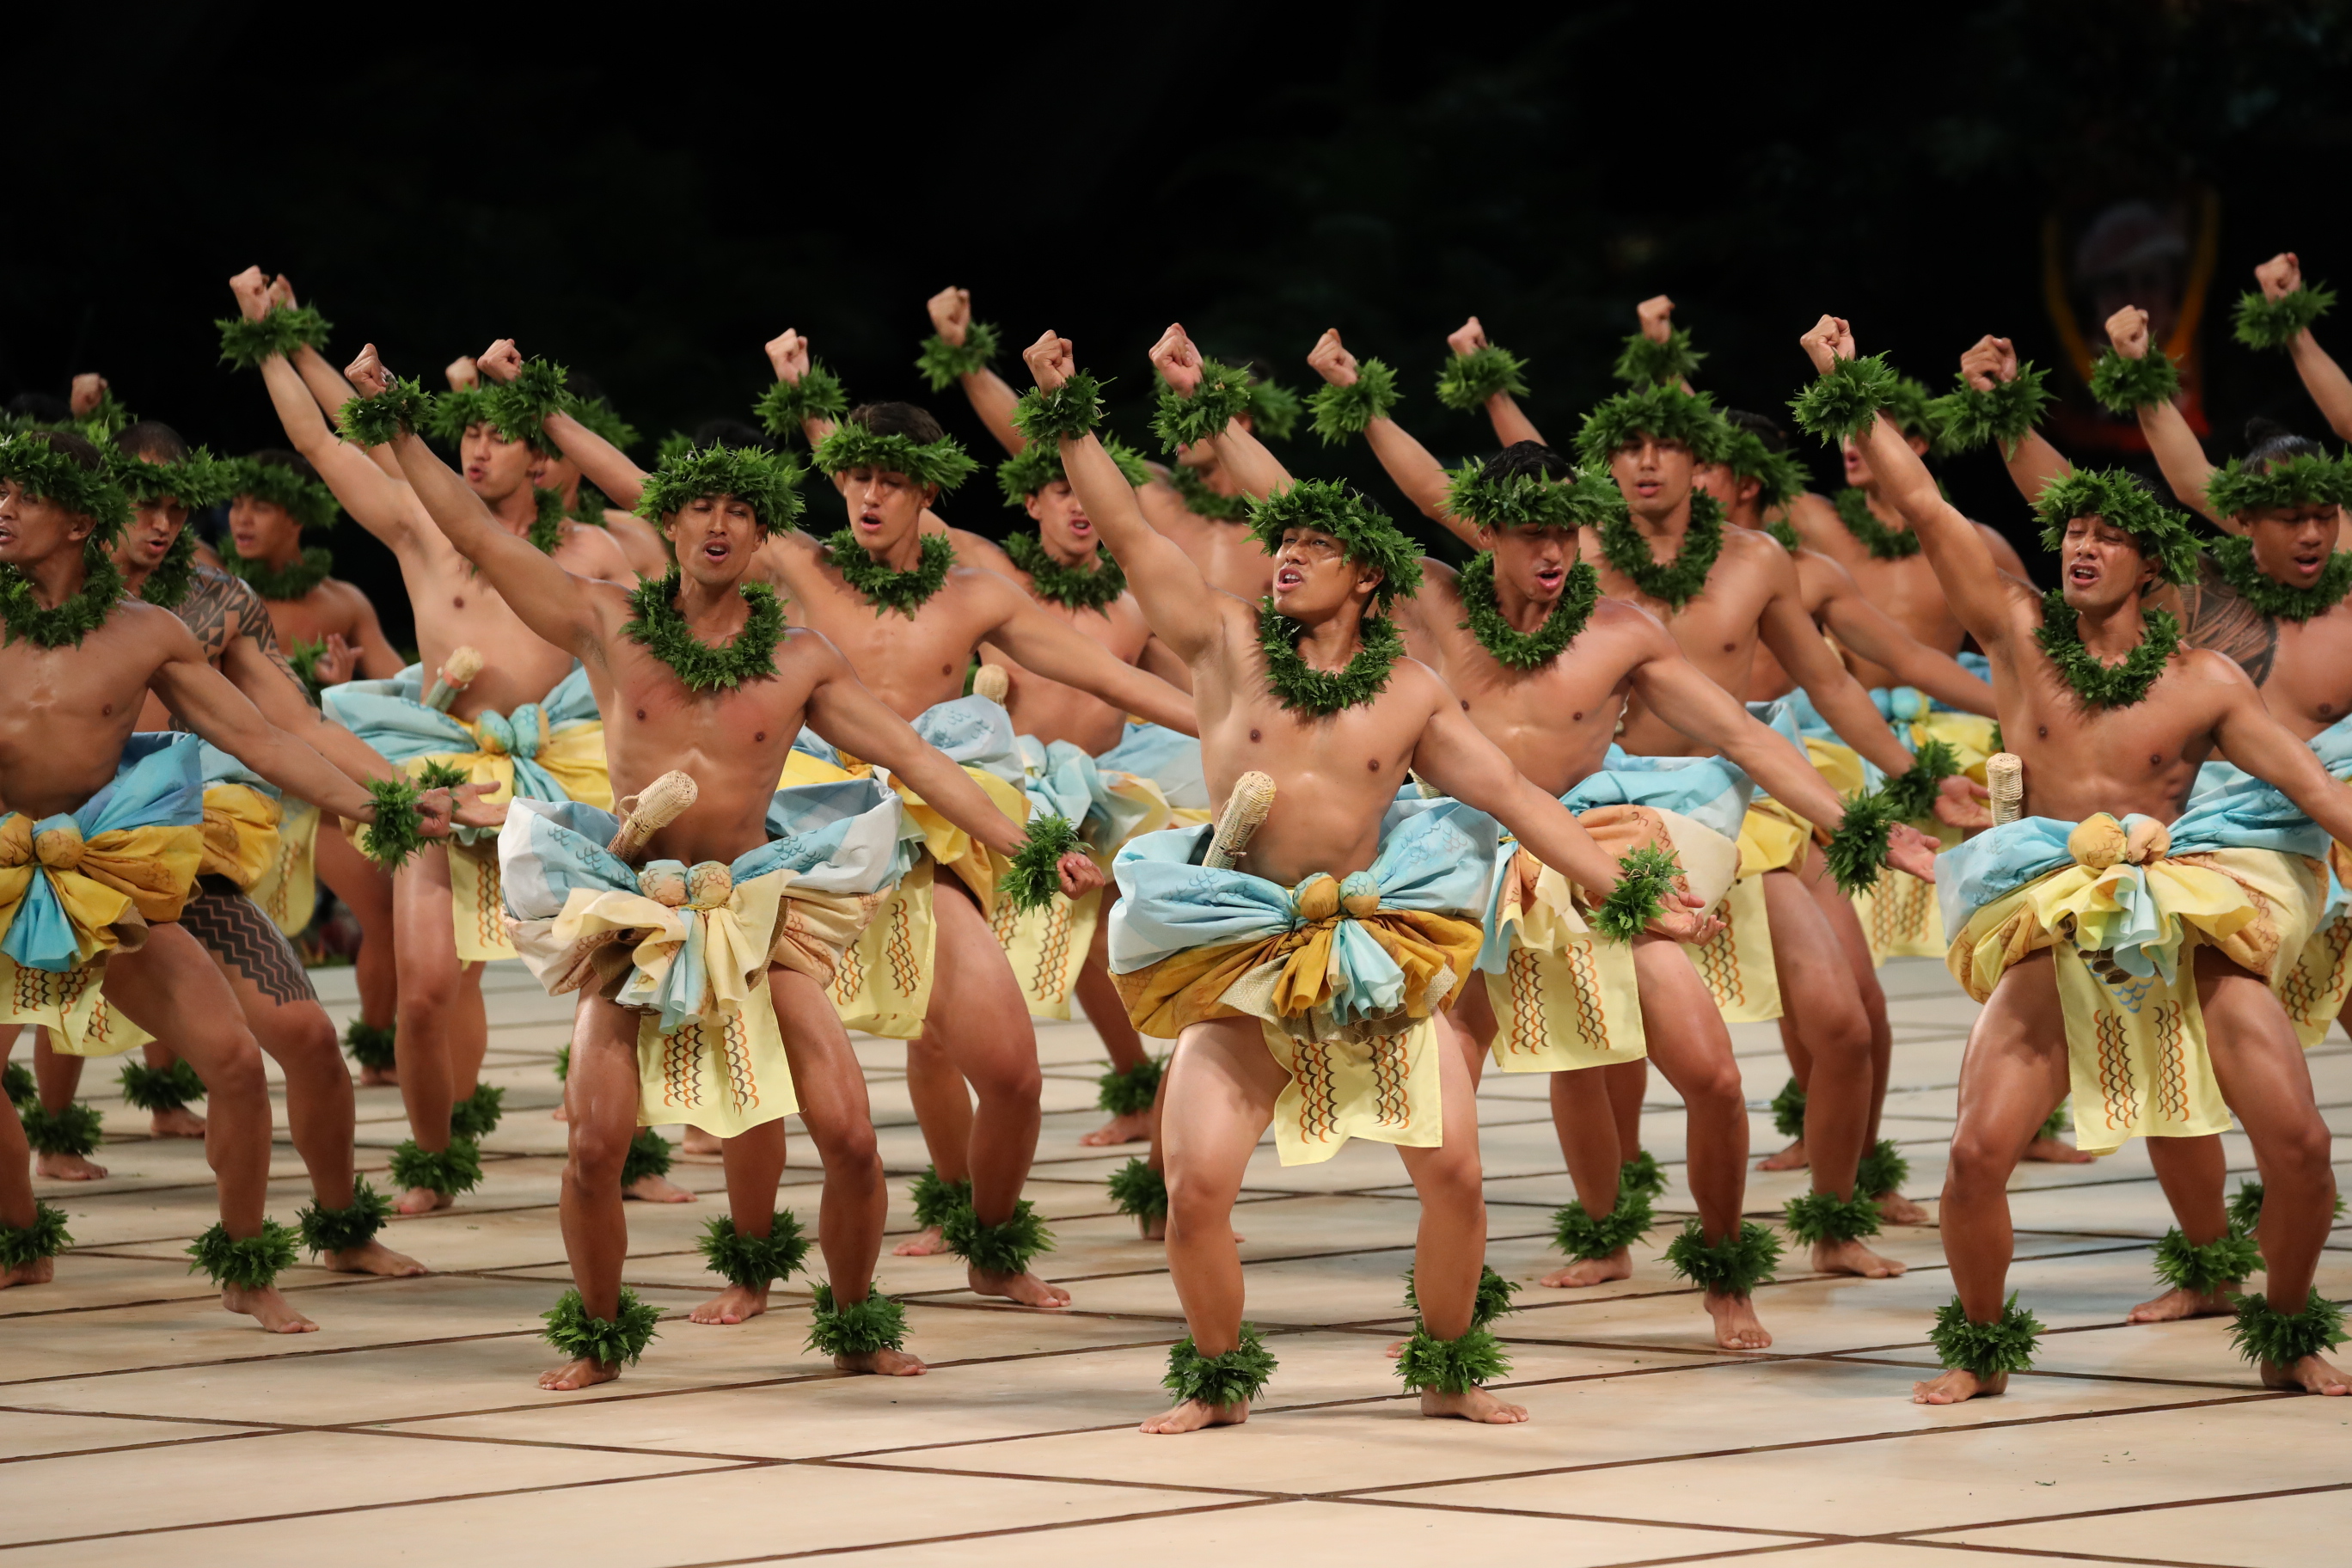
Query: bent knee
x,y
2303,1153
1976,1160
232,1069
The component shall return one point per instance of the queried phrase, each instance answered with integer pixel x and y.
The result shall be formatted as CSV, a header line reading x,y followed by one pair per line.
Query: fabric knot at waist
x,y
517,734
2099,841
58,843
705,884
1322,899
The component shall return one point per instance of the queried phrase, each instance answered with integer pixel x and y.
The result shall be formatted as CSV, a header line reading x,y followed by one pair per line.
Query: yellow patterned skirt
x,y
1736,961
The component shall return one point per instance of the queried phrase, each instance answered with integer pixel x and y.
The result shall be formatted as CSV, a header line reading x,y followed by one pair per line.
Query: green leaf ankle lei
x,y
1825,1216
22,616
1130,1092
1138,1190
478,1114
935,1198
1451,1366
2201,1270
1639,1178
1732,1267
655,623
1239,1374
1318,693
1789,1110
608,1342
451,1172
1004,1247
855,1328
293,580
1985,1350
2234,558
1881,1170
2263,1333
1506,642
370,1045
251,1264
2060,637
173,575
44,1237
879,584
1590,1238
1073,587
160,1089
1201,502
1673,582
1883,544
751,1261
1492,1299
339,1230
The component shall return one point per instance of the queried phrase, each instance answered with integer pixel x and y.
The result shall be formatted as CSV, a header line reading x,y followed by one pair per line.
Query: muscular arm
x,y
2325,380
376,500
1421,476
2250,737
2034,464
282,702
992,400
604,465
845,712
2182,460
1059,651
551,601
1789,633
1963,562
1258,472
1675,689
1871,633
218,711
1183,611
1457,757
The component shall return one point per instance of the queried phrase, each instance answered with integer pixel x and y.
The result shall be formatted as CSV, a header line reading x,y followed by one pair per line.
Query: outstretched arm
x,y
991,399
2035,462
1421,476
1059,651
602,464
1963,563
218,711
2257,742
1839,698
326,383
1875,636
1182,610
2178,453
1511,424
1257,471
2322,377
551,601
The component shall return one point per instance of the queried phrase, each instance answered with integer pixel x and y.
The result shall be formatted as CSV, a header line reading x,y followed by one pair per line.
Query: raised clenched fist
x,y
1466,339
788,356
366,374
950,311
1050,358
1331,361
500,361
1656,315
1178,362
2128,331
2280,276
1989,362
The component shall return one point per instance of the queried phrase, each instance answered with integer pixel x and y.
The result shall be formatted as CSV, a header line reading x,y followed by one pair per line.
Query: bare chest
x,y
313,618
2310,682
67,714
2080,759
912,662
1554,722
1907,592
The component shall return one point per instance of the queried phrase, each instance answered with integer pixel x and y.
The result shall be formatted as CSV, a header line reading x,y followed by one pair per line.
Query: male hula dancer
x,y
891,597
446,910
1517,702
2279,315
2108,948
2273,600
697,670
106,834
1309,990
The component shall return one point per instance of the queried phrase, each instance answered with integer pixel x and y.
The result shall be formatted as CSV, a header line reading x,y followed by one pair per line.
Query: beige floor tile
x,y
84,1280
27,1434
2272,1532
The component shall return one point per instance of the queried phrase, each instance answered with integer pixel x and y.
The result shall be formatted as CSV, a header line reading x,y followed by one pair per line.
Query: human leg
x,y
363,888
603,1094
431,980
2193,1172
63,1130
1221,1085
942,1103
1598,1240
31,1233
1099,998
1880,1173
1788,1105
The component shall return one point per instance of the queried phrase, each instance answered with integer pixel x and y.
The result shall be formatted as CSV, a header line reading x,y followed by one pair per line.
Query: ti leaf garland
x,y
23,616
2060,636
1318,693
293,581
2234,558
655,622
1506,642
1073,587
1883,544
1673,582
884,587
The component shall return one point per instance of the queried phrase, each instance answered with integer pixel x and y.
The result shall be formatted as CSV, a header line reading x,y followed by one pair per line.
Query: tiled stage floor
x,y
140,1423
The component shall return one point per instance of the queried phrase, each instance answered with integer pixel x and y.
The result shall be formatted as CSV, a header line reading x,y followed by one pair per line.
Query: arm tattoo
x,y
2219,619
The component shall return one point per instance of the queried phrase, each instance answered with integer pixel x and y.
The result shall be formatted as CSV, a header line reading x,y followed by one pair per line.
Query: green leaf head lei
x,y
1779,477
1645,359
1512,500
1223,392
197,481
943,364
2117,498
785,406
1965,418
1469,380
1341,412
46,469
1666,413
942,464
2234,488
1039,464
306,499
763,480
1366,535
2277,323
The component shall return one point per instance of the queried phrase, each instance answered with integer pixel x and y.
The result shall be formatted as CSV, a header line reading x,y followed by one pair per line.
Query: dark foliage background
x,y
649,196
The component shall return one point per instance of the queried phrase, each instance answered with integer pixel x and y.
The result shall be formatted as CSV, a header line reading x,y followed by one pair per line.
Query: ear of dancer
x,y
2082,761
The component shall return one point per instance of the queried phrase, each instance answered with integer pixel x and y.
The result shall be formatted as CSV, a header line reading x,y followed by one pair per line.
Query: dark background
x,y
649,197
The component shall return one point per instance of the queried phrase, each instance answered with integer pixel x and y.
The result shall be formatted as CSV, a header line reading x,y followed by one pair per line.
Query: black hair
x,y
898,420
153,440
2269,442
1526,458
731,433
40,408
77,448
1775,439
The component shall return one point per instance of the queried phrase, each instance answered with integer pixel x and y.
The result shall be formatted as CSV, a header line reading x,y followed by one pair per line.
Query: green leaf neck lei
x,y
2099,685
879,584
1318,693
22,616
1506,642
168,584
1781,529
2234,559
546,533
294,581
1201,502
1883,544
655,623
1673,582
1073,587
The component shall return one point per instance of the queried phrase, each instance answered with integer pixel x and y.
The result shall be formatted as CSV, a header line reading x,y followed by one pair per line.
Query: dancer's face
x,y
714,538
1062,521
1857,467
885,507
2292,543
262,530
495,469
154,529
1653,476
1313,578
2103,564
1533,561
36,527
557,473
1734,495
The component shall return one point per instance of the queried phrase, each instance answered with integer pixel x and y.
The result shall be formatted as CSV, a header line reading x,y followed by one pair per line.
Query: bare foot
x,y
1953,1387
276,1316
1735,1325
1852,1257
559,1114
1618,1264
1025,1287
180,1123
423,1200
1894,1208
39,1272
2176,1303
882,1363
657,1190
1473,1404
580,1374
924,1243
379,1078
1191,1415
1793,1158
2312,1374
1155,1227
701,1145
68,1168
373,1258
736,1304
2052,1152
1133,1128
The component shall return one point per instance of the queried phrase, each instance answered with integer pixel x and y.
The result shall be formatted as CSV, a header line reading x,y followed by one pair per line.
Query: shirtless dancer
x,y
910,634
732,735
2080,709
80,661
442,1031
510,409
1743,583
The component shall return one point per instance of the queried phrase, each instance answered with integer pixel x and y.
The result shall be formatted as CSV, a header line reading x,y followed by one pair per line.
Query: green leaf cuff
x,y
1732,1267
1223,392
1341,412
1035,877
252,1264
449,1172
1071,409
1235,1377
648,1155
751,1261
1644,360
1789,1110
280,330
1857,851
519,407
1493,1299
478,1115
1468,380
22,1090
2203,1269
44,1237
160,1089
339,1230
1843,402
614,1342
1882,1170
2264,1334
944,363
2277,323
1640,1177
1004,1247
1825,1216
1139,1190
1452,1367
2125,385
1912,794
1965,418
1986,1350
402,408
858,1327
1588,1239
73,1131
1646,876
1130,1092
784,408
393,838
936,1201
